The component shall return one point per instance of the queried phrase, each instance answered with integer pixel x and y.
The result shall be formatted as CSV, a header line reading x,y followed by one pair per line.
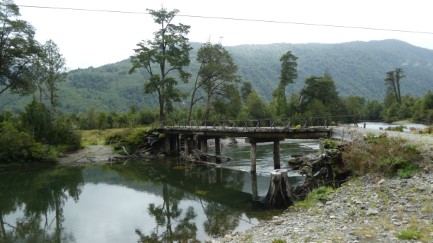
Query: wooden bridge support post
x,y
253,156
167,144
188,145
277,155
254,186
203,145
218,150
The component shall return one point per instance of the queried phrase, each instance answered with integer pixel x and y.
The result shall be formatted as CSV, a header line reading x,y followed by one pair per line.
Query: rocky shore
x,y
365,209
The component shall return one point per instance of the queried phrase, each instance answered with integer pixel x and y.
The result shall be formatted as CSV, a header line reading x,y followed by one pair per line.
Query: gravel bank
x,y
90,154
366,209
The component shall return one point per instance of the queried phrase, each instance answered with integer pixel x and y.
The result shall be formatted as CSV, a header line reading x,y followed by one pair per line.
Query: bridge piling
x,y
218,149
253,156
277,155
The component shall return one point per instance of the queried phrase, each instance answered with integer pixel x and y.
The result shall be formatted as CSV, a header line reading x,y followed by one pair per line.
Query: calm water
x,y
157,201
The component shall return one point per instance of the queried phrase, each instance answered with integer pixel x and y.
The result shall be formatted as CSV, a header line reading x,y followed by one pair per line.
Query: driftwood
x,y
198,156
325,169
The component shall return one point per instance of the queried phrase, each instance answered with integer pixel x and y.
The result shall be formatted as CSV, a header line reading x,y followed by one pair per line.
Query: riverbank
x,y
90,154
365,209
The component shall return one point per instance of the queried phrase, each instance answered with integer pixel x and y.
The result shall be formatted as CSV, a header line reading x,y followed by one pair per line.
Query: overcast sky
x,y
91,38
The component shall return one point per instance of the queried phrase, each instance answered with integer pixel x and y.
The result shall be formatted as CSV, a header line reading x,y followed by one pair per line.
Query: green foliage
x,y
278,241
328,144
169,50
37,120
17,47
396,128
383,155
246,89
255,107
131,138
63,133
372,110
217,74
392,81
320,97
48,70
407,171
110,88
318,194
409,234
20,147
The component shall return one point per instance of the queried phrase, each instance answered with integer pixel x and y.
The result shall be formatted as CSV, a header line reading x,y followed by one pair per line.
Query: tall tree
x,y
49,69
392,81
320,90
17,46
246,89
288,75
167,52
255,106
217,71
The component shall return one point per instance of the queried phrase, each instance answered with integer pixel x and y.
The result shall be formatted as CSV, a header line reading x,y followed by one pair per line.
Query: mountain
x,y
358,68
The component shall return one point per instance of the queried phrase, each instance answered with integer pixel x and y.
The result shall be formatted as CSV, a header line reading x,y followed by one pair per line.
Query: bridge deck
x,y
250,132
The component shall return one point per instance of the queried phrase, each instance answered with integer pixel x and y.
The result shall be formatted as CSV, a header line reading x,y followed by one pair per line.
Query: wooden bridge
x,y
196,137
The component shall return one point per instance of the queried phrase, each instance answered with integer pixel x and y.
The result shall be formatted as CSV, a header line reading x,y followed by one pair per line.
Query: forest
x,y
170,81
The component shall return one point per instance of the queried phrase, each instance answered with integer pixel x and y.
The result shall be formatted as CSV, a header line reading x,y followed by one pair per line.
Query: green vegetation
x,y
278,241
131,138
318,194
328,144
217,78
34,137
169,50
357,68
382,155
409,235
17,48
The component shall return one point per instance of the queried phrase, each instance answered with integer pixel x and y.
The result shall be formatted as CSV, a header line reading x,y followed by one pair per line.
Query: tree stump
x,y
279,195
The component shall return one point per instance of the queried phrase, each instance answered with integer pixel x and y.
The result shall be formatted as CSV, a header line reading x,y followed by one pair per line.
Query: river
x,y
148,201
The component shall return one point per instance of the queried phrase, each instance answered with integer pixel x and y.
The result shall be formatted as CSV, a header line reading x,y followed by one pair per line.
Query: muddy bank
x,y
90,154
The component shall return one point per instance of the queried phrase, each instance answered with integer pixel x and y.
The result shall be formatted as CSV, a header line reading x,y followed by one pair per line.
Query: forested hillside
x,y
358,68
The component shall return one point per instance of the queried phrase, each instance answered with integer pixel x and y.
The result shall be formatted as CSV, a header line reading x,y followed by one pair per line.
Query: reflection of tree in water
x,y
42,196
169,214
221,220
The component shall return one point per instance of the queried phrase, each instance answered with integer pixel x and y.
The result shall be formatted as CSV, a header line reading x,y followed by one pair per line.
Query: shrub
x,y
396,128
132,139
383,155
328,144
20,147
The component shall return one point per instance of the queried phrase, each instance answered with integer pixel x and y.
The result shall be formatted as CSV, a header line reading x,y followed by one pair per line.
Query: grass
x,y
278,241
319,194
409,235
100,137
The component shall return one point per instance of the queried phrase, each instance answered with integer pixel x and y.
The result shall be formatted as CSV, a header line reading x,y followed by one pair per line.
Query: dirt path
x,y
90,154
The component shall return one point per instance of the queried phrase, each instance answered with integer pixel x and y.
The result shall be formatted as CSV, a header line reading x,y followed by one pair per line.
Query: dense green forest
x,y
358,68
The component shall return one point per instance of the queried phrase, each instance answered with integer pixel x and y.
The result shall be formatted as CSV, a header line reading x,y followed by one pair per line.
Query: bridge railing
x,y
294,122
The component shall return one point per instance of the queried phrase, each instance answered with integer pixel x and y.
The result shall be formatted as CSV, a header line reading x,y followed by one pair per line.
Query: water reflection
x,y
156,201
38,199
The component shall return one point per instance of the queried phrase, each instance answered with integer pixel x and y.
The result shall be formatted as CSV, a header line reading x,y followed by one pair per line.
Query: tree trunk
x,y
279,195
161,111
